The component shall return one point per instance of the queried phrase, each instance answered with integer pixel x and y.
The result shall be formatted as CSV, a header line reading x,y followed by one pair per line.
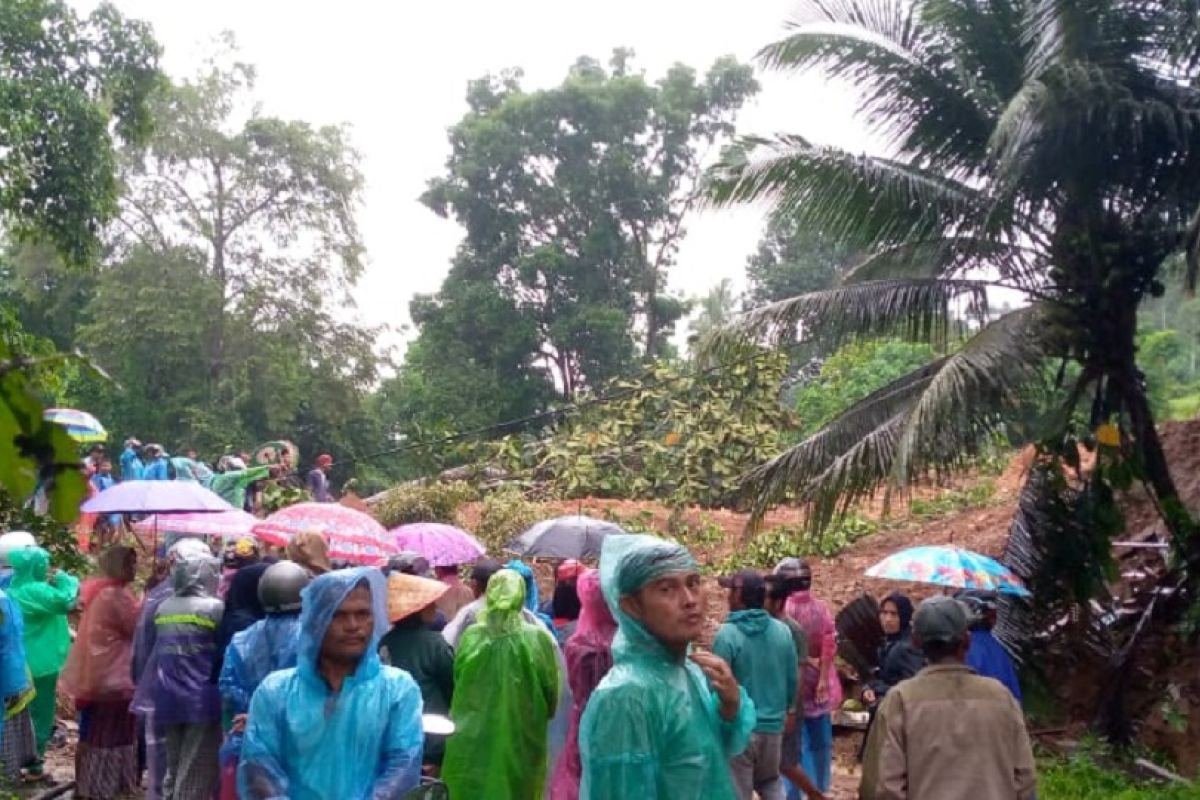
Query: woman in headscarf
x,y
98,676
45,598
589,657
898,659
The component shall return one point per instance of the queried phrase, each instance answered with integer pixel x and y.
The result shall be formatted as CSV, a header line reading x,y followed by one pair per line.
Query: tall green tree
x,y
716,308
791,260
574,201
270,203
70,87
1050,147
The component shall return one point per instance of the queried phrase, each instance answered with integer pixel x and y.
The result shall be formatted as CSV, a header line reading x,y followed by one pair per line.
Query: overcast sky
x,y
396,72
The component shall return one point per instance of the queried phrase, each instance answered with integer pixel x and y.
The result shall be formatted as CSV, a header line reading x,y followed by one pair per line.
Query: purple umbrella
x,y
442,545
155,497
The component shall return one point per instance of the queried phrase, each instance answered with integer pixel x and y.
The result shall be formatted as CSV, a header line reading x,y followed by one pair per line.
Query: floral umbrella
x,y
441,545
232,524
947,565
351,535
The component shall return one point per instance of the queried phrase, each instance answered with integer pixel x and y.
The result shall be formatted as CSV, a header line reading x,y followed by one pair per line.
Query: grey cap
x,y
789,567
941,619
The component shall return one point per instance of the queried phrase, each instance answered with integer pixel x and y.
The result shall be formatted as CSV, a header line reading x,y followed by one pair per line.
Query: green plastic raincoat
x,y
505,691
44,607
652,729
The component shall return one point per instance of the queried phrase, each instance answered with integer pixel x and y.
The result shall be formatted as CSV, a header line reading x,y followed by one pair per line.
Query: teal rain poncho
x,y
304,743
651,729
505,692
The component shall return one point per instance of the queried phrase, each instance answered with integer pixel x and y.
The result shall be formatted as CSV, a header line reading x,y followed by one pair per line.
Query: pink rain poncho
x,y
816,620
98,667
589,657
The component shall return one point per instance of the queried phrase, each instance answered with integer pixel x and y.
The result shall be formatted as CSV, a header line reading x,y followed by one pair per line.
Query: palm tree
x,y
1047,146
716,309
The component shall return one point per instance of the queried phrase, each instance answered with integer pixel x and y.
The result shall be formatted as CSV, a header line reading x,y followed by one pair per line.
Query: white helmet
x,y
14,540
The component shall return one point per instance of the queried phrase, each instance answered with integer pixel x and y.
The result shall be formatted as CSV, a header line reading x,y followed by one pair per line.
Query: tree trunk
x,y
652,314
1158,474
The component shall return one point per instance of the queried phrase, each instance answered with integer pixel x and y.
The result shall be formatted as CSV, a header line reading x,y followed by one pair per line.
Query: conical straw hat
x,y
408,594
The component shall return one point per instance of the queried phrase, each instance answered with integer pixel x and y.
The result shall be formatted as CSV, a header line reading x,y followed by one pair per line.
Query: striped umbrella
x,y
351,535
947,565
81,426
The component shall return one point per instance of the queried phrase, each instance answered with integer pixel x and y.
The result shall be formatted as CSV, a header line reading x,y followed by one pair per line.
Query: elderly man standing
x,y
666,719
948,732
339,724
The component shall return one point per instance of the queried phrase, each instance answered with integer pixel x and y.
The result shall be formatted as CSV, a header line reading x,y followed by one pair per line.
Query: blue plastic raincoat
x,y
989,658
131,465
506,685
652,729
157,470
304,743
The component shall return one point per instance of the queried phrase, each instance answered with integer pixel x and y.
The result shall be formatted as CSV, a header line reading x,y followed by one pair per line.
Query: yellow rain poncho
x,y
651,729
505,691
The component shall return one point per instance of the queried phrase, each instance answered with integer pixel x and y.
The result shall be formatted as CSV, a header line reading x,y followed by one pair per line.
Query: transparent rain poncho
x,y
652,727
506,680
98,668
305,743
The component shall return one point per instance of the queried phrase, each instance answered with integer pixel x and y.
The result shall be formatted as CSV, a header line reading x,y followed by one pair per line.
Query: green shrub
x,y
504,516
952,501
769,547
423,502
1079,777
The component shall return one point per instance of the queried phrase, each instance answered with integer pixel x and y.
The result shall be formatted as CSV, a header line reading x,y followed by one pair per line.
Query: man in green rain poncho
x,y
505,691
666,719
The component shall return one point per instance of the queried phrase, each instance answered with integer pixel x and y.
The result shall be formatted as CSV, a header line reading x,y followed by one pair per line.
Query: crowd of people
x,y
275,674
234,477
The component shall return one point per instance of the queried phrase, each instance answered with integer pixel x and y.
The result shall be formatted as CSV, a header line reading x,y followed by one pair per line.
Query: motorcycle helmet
x,y
280,586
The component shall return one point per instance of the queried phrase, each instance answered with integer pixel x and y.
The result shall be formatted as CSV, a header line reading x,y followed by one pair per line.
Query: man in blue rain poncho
x,y
339,724
666,719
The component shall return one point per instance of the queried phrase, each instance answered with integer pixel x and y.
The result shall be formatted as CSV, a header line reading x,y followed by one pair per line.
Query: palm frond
x,y
854,473
935,417
912,96
857,200
918,309
951,257
965,400
817,452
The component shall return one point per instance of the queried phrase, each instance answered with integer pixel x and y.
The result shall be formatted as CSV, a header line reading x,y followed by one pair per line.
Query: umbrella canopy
x,y
576,537
81,426
231,524
351,535
155,497
947,565
441,545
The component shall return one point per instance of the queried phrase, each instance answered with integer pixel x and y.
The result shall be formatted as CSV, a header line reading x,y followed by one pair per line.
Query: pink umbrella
x,y
232,524
351,535
442,545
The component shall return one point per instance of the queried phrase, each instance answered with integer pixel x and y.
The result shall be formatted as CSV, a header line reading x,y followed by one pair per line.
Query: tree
x,y
717,308
574,201
791,260
69,87
1049,148
269,202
